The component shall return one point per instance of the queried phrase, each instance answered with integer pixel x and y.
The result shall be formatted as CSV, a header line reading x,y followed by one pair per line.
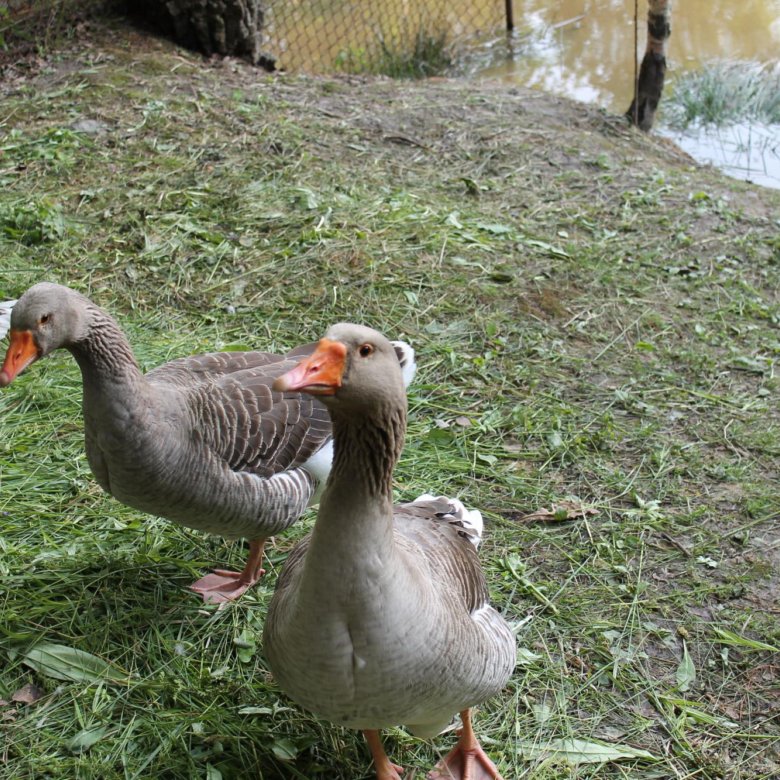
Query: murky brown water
x,y
583,48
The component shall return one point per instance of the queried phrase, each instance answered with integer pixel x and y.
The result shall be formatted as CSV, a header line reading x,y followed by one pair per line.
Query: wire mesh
x,y
322,36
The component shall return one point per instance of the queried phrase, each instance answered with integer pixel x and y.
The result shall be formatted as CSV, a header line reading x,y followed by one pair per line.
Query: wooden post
x,y
510,16
650,83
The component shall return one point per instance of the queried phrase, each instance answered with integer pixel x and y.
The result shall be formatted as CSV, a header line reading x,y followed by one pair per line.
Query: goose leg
x,y
467,760
385,769
222,585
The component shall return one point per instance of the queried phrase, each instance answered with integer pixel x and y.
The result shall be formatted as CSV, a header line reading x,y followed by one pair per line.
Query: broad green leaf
x,y
246,646
306,198
580,751
284,749
501,277
692,710
86,738
212,773
726,637
526,657
556,251
439,435
452,219
542,712
555,440
494,227
749,363
255,711
67,663
686,671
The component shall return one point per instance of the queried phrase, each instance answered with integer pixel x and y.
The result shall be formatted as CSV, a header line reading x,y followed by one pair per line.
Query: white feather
x,y
5,316
318,465
469,518
406,358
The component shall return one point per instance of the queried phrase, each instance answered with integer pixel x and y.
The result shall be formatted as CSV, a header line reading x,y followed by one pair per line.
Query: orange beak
x,y
319,374
21,352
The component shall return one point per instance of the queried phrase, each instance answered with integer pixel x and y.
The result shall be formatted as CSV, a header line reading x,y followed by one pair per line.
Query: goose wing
x,y
448,535
237,416
206,368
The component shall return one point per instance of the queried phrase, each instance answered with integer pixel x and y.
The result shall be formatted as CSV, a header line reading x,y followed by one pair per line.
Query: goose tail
x,y
406,358
457,514
5,319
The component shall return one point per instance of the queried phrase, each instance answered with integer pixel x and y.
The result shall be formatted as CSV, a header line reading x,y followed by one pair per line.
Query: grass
x,y
37,24
594,321
405,54
725,92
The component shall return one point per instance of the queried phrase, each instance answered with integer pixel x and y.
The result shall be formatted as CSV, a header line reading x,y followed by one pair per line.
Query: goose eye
x,y
44,319
365,350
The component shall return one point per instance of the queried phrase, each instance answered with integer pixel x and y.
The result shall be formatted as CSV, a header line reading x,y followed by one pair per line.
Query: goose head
x,y
354,370
46,317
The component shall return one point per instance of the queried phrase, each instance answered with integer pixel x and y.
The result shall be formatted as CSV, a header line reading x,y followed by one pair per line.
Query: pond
x,y
583,49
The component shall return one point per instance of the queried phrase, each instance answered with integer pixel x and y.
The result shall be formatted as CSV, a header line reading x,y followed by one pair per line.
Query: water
x,y
583,49
749,151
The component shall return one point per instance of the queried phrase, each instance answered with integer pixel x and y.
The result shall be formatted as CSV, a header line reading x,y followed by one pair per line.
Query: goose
x,y
203,441
381,616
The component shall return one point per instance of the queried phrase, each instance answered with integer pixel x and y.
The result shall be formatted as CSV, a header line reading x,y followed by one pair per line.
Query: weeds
x,y
410,54
723,93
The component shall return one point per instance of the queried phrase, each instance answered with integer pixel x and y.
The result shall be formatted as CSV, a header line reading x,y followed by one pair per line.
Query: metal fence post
x,y
510,16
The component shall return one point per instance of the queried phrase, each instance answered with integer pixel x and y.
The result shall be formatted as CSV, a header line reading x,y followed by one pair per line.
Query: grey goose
x,y
204,440
381,616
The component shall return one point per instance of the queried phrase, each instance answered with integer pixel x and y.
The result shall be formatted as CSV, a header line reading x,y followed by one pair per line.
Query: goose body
x,y
204,441
381,616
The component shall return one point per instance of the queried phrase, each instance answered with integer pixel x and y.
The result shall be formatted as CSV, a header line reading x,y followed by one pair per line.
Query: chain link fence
x,y
396,37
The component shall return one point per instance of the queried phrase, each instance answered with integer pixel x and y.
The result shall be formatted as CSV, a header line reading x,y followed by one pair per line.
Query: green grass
x,y
407,53
593,321
725,92
39,24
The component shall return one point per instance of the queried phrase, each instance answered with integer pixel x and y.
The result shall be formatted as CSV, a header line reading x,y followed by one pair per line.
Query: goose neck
x,y
365,452
104,354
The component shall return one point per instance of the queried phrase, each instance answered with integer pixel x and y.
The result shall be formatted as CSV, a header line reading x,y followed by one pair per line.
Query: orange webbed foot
x,y
461,764
467,760
385,768
390,772
222,585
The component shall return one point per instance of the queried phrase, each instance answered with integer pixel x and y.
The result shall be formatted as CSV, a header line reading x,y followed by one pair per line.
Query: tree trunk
x,y
226,27
650,84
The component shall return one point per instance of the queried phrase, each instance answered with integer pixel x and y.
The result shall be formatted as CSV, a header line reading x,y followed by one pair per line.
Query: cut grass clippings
x,y
597,325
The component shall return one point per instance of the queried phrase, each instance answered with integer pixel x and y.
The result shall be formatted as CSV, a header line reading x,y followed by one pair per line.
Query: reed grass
x,y
725,92
414,52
